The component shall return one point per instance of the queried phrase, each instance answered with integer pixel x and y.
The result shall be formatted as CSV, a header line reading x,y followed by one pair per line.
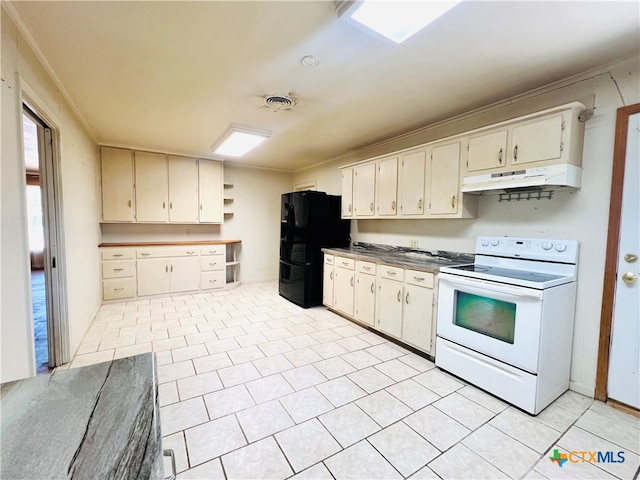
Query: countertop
x,y
423,260
168,244
99,421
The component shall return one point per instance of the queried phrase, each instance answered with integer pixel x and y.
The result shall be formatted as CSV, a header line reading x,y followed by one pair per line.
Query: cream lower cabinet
x,y
118,274
167,274
213,267
417,314
365,293
328,280
344,285
390,293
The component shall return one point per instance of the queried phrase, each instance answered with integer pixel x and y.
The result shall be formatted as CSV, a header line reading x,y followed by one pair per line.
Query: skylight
x,y
398,20
238,140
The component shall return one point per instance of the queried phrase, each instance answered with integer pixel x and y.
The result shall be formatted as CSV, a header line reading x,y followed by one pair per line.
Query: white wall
x,y
79,180
582,215
256,221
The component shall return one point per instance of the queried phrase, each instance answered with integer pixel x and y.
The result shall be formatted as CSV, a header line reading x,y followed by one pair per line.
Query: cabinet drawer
x,y
392,273
214,250
329,259
213,279
343,262
117,254
212,262
118,288
118,268
161,253
421,279
368,268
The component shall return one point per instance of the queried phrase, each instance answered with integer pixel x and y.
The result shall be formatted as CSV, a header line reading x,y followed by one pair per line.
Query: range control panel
x,y
545,249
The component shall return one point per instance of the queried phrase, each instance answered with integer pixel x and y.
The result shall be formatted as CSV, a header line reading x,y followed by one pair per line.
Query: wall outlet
x,y
413,243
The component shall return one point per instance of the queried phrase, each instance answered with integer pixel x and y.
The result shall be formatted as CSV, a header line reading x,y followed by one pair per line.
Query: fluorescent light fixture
x,y
238,140
398,20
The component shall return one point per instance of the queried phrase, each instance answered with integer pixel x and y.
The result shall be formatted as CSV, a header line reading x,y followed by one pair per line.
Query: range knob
x,y
561,247
485,243
495,242
547,245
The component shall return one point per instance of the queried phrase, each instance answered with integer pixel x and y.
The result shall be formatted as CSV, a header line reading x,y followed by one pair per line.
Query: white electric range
x,y
505,322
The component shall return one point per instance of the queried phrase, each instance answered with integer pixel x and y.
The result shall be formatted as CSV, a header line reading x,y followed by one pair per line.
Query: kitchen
x,y
567,215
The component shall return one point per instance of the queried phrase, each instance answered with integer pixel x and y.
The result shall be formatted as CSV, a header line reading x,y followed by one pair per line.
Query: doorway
x,y
44,234
618,374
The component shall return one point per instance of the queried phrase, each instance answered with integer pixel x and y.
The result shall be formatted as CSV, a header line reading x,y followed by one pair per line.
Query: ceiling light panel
x,y
397,20
238,140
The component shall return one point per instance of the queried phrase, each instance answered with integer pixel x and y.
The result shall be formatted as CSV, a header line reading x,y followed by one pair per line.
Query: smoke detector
x,y
279,102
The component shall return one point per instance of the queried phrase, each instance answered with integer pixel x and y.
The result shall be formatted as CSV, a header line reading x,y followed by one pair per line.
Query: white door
x,y
624,362
183,190
152,187
387,186
210,188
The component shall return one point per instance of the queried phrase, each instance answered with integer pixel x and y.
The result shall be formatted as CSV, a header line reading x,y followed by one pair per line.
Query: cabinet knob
x,y
170,205
453,202
399,296
129,203
166,268
406,298
164,205
500,156
118,289
351,281
515,153
118,269
117,254
393,206
331,274
372,287
371,207
420,204
349,208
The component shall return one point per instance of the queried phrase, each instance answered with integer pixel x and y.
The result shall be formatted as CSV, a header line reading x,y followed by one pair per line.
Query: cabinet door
x,y
183,190
347,192
327,285
185,274
153,276
418,316
365,299
344,288
364,188
117,185
412,181
487,151
537,141
390,307
444,188
210,191
152,187
386,200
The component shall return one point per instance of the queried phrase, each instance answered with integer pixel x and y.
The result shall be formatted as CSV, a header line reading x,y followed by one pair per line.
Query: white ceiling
x,y
172,76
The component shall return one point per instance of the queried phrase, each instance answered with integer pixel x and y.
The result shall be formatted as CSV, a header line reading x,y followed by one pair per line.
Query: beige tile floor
x,y
252,386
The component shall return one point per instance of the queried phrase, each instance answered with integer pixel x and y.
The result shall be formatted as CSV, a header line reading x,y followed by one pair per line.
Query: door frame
x,y
613,239
53,219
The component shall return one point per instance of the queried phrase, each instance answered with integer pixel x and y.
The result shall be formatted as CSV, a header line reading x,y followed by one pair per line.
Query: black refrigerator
x,y
309,221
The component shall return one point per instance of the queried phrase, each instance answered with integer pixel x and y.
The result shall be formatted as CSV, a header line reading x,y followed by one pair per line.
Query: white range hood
x,y
548,178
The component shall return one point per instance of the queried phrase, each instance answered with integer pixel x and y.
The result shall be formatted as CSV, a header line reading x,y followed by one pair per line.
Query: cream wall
x,y
79,181
256,221
581,216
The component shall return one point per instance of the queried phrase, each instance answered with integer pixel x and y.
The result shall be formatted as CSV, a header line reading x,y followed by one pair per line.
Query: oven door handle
x,y
491,286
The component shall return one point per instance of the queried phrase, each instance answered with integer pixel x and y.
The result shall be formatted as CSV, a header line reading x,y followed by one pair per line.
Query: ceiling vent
x,y
279,102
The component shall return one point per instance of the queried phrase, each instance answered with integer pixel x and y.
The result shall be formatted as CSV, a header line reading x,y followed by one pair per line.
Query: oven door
x,y
501,321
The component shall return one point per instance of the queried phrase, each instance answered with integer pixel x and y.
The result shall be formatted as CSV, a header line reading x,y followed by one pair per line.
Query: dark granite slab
x,y
423,260
99,421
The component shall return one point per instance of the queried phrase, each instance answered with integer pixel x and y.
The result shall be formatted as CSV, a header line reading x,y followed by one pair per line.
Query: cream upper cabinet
x,y
364,189
183,190
444,187
387,192
210,191
117,185
347,192
487,151
412,183
152,187
537,141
